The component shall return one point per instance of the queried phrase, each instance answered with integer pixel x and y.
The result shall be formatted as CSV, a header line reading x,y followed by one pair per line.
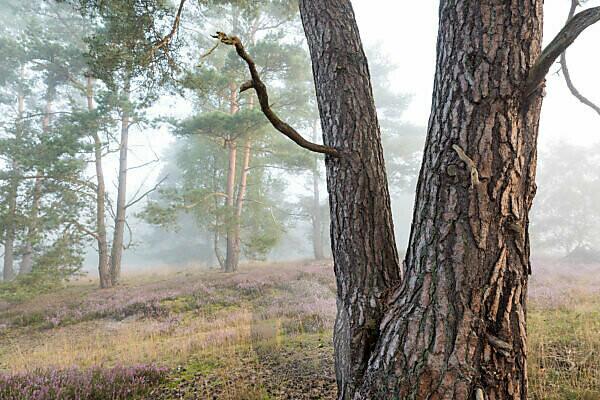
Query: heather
x,y
261,333
76,384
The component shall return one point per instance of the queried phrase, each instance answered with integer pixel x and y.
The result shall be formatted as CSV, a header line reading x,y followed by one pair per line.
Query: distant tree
x,y
226,119
567,213
45,164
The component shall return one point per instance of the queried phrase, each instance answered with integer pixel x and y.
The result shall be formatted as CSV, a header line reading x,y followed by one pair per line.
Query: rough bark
x,y
230,262
362,234
451,323
455,328
121,209
101,235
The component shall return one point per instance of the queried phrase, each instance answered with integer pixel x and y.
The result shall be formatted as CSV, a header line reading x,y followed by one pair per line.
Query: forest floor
x,y
265,332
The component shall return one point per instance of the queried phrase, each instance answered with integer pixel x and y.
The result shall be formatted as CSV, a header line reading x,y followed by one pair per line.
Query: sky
x,y
407,32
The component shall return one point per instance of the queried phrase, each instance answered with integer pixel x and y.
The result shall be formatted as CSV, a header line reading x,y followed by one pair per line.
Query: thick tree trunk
x,y
101,235
240,201
362,233
230,258
121,209
455,327
8,272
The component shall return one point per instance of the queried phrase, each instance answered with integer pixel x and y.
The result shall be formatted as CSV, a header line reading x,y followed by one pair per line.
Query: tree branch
x,y
567,75
261,91
137,200
573,28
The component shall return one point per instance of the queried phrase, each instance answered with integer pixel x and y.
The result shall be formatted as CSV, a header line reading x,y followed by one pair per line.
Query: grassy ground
x,y
264,333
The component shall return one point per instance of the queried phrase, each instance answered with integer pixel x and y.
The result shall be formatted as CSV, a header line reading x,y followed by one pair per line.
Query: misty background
x,y
400,39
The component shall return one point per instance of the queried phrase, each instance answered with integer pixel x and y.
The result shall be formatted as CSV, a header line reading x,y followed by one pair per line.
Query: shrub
x,y
76,384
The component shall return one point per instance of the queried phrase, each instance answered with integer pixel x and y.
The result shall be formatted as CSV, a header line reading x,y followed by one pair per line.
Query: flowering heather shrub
x,y
75,384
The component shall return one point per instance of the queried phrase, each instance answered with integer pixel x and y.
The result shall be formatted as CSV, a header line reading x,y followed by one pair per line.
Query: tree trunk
x,y
26,266
230,258
455,327
121,209
27,260
362,233
8,272
101,236
240,202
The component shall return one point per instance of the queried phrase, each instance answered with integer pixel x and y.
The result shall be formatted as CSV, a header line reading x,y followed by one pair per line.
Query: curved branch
x,y
573,28
263,98
566,73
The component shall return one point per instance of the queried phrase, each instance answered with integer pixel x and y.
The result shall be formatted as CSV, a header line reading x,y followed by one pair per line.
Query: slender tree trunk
x,y
230,259
240,202
27,260
26,266
362,233
121,209
8,272
101,235
455,326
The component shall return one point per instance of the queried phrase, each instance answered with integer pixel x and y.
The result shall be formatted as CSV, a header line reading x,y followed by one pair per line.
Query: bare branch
x,y
573,28
141,197
85,230
567,75
143,165
261,91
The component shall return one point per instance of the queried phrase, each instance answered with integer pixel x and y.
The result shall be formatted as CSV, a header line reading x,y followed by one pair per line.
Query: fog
x,y
166,229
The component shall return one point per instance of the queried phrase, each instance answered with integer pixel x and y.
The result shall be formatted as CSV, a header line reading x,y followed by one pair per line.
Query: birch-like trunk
x,y
8,272
121,209
26,266
101,235
230,257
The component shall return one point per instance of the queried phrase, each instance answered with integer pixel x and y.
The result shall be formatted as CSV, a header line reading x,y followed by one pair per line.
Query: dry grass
x,y
266,331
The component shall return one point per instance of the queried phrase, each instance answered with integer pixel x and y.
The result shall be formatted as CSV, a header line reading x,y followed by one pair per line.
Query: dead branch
x,y
263,97
146,193
572,29
567,75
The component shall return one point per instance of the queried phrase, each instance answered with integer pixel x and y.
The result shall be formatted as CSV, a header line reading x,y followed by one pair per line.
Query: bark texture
x,y
455,328
362,235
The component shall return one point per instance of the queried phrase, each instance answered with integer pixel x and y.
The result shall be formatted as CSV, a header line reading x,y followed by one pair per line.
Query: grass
x,y
264,333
